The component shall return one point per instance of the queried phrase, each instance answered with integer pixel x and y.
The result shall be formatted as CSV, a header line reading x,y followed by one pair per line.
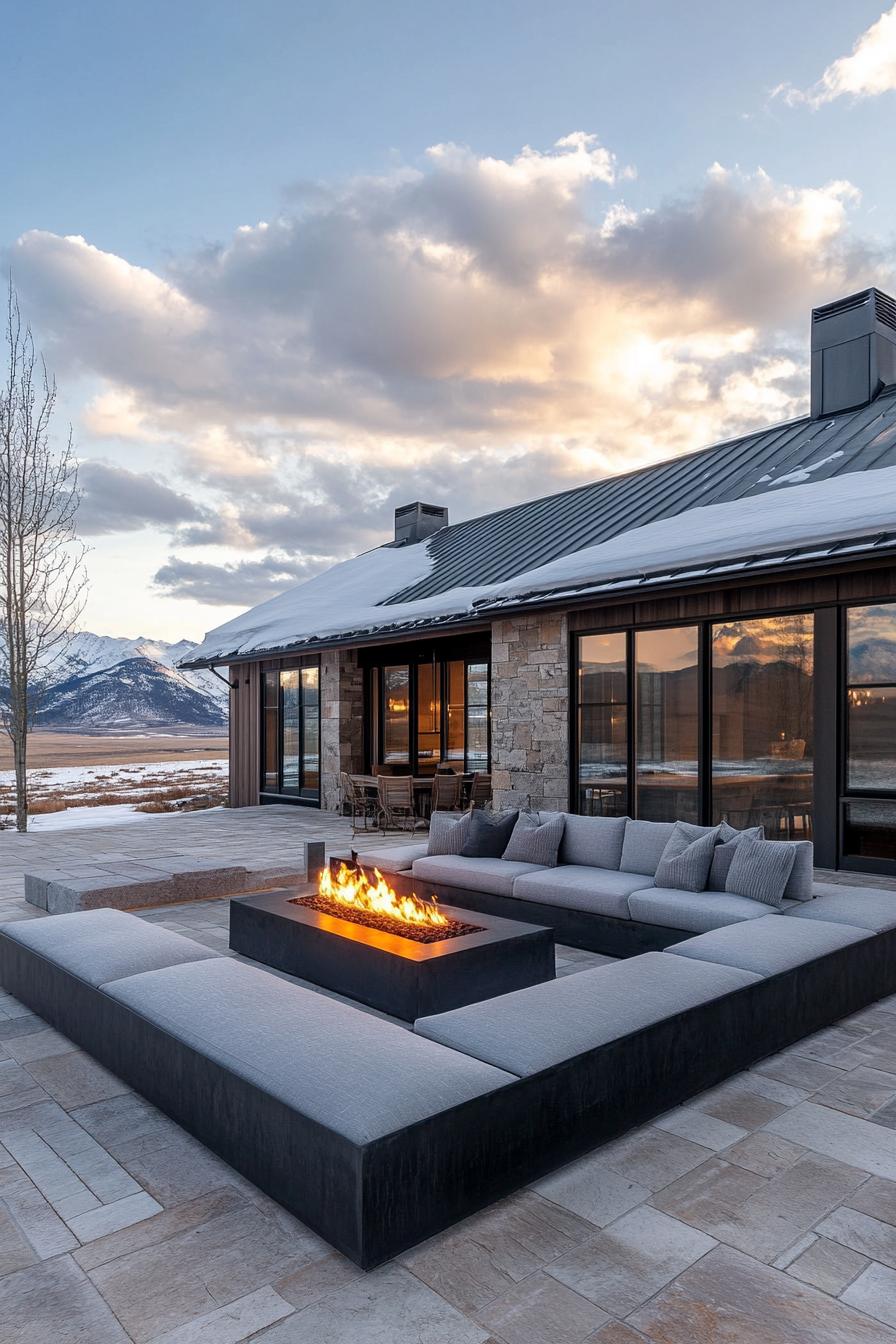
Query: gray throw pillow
x,y
759,870
534,840
686,860
447,832
729,839
488,834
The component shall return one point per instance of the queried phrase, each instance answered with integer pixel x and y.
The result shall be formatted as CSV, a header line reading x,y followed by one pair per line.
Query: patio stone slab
x,y
828,1266
15,1251
592,1190
874,1292
728,1297
863,1233
312,1282
233,1323
695,1125
184,1218
861,1092
859,1142
74,1079
55,1301
877,1197
99,1222
766,1154
540,1310
651,1157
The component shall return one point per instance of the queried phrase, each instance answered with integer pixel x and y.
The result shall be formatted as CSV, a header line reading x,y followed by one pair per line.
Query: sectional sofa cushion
x,y
581,887
533,1029
687,857
759,870
534,840
349,1070
595,841
447,832
729,839
768,946
492,875
643,845
865,909
697,911
799,884
101,945
397,860
488,834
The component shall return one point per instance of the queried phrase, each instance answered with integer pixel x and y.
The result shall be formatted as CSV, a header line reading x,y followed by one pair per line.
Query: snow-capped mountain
x,y
106,681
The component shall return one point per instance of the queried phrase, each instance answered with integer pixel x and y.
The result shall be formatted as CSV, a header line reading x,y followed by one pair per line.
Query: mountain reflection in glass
x,y
666,724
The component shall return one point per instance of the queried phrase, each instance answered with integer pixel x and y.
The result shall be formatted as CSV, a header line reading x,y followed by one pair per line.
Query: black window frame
x,y
845,794
284,793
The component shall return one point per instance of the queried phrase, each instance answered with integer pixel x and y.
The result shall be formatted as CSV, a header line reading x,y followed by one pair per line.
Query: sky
x,y
294,264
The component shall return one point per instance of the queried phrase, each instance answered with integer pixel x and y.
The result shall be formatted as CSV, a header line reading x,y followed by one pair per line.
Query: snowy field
x,y
102,795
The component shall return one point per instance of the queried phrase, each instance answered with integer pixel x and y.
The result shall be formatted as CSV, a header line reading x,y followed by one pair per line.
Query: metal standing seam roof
x,y
498,546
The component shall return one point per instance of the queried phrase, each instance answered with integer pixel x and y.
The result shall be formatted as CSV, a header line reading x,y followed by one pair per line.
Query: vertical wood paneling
x,y
245,735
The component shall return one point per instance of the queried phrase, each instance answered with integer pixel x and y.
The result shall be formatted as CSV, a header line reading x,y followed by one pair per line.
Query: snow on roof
x,y
351,600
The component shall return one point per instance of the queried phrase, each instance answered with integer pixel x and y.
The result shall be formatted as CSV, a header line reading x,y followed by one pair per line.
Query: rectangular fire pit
x,y
384,970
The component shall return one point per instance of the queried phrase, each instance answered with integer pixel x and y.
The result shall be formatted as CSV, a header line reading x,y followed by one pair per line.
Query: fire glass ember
x,y
351,895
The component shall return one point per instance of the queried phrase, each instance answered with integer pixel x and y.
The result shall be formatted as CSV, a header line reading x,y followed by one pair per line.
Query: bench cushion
x,y
396,860
492,875
101,945
593,841
695,911
643,845
770,945
862,908
349,1070
579,887
533,1029
799,883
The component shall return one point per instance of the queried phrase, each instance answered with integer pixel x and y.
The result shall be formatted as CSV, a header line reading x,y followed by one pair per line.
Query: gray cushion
x,y
101,945
643,845
596,841
687,858
729,838
349,1070
696,911
581,887
535,1028
534,840
492,875
799,883
759,870
860,907
396,860
447,832
767,946
488,834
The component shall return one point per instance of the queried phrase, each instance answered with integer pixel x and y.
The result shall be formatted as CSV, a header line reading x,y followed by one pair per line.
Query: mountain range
x,y
121,684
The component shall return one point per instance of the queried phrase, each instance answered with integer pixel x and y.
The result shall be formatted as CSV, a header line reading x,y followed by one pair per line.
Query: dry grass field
x,y
48,751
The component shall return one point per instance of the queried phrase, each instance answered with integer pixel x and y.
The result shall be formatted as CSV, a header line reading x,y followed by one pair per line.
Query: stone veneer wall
x,y
341,721
530,711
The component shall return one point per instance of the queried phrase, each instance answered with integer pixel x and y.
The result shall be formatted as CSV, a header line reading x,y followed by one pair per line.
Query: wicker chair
x,y
446,793
357,802
395,803
480,790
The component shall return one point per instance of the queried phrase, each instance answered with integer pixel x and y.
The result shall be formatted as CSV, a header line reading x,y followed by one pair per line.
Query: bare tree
x,y
42,577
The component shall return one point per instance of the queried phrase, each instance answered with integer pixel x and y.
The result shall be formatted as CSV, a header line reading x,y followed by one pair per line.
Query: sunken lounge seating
x,y
377,1136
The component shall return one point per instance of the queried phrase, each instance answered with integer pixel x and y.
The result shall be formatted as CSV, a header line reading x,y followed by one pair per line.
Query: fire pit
x,y
404,955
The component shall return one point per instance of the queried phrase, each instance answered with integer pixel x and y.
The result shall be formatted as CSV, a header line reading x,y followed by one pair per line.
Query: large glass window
x,y
455,702
271,732
476,716
396,715
291,718
603,725
291,732
762,695
429,717
429,713
310,784
869,829
666,720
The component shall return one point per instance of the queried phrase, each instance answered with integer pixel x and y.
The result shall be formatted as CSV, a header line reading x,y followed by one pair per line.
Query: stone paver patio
x,y
762,1212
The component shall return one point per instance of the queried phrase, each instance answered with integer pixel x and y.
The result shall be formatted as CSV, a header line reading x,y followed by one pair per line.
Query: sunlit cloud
x,y
868,71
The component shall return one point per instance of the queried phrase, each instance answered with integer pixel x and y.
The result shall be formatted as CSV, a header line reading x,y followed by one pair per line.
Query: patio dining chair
x,y
358,802
396,809
446,793
480,790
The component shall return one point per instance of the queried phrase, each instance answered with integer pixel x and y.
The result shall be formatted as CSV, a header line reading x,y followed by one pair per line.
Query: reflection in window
x,y
396,715
291,732
603,725
869,830
429,717
271,741
871,699
292,728
666,717
477,716
310,783
762,748
454,713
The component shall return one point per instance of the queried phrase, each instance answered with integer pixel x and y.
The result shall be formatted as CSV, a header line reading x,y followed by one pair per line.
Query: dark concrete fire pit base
x,y
385,971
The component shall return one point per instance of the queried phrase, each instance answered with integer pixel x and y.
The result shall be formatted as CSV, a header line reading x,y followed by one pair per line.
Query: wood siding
x,y
245,734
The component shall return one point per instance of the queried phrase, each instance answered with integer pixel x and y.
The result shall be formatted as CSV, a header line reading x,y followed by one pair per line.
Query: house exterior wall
x,y
244,731
341,721
530,711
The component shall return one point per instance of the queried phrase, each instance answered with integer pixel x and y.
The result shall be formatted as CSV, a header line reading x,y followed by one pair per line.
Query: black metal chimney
x,y
853,351
415,522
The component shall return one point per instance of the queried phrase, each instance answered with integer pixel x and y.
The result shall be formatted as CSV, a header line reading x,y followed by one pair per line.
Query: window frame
x,y
286,793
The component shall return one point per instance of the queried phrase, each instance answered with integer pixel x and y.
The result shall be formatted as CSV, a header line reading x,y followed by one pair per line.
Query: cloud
x,y
240,584
470,330
116,500
869,69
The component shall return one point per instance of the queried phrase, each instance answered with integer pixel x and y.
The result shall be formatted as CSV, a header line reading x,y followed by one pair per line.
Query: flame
x,y
354,889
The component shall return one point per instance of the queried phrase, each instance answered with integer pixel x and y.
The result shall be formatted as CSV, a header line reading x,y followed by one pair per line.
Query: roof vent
x,y
415,522
853,351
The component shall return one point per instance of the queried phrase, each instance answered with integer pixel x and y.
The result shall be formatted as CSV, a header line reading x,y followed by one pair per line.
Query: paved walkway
x,y
763,1212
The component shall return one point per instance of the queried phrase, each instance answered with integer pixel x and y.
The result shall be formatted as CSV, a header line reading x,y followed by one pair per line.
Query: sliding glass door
x,y
290,746
666,719
431,713
869,810
603,724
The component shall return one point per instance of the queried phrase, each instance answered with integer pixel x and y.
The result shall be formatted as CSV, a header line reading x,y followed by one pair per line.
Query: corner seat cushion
x,y
600,891
348,1070
861,908
102,945
399,859
492,875
770,945
534,1029
695,911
